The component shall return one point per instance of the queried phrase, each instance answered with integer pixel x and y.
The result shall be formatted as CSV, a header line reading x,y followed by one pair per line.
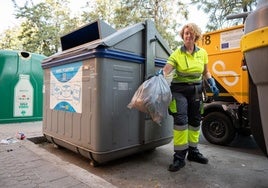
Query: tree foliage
x,y
219,11
166,14
45,22
42,26
9,39
99,9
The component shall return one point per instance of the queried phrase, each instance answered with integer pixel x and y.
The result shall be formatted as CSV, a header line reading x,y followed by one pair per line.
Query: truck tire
x,y
218,129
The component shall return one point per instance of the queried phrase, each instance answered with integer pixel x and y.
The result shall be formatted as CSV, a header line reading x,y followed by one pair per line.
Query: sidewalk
x,y
25,164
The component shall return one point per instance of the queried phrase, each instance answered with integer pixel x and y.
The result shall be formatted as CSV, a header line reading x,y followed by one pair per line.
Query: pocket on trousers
x,y
172,109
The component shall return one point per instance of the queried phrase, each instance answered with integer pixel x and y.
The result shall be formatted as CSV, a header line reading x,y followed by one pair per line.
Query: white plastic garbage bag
x,y
153,97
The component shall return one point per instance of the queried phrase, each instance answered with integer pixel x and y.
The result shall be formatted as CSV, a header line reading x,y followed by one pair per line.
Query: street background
x,y
241,164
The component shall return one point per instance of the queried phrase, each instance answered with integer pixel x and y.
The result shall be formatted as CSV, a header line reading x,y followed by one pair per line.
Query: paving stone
x,y
24,166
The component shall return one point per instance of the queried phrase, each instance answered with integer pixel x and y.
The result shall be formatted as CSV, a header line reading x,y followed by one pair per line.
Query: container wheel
x,y
218,129
94,163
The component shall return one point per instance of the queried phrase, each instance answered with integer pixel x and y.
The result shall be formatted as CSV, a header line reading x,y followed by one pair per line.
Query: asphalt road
x,y
241,164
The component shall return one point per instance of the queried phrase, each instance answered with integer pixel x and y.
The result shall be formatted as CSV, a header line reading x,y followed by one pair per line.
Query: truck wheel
x,y
218,129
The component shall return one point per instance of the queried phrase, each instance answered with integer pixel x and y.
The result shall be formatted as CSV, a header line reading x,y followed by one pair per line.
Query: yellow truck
x,y
254,45
227,114
238,61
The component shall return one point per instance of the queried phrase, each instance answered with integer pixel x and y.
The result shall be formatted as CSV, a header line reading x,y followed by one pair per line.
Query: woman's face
x,y
188,36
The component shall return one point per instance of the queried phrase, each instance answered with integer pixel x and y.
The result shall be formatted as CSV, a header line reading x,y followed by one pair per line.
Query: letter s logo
x,y
226,73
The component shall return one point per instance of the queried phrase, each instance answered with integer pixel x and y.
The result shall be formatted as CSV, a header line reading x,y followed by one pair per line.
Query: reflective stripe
x,y
194,128
180,138
180,127
185,135
189,75
180,148
193,136
180,77
189,67
193,144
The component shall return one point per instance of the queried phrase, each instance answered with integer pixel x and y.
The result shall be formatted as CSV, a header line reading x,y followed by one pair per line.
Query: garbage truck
x,y
226,115
238,62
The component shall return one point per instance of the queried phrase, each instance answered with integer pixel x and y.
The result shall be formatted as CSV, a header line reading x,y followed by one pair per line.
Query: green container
x,y
21,83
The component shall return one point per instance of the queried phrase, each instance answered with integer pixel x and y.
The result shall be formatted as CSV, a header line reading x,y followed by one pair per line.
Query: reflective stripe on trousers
x,y
185,109
185,136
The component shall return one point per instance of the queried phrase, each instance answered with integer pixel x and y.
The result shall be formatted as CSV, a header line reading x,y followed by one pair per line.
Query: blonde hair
x,y
194,28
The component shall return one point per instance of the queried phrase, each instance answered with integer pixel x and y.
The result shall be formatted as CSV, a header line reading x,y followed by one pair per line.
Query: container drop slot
x,y
24,55
91,32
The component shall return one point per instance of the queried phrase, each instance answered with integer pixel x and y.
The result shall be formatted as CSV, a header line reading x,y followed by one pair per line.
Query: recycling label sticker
x,y
23,97
231,39
66,87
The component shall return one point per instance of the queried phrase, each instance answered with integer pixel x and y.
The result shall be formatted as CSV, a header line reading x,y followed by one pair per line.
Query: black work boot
x,y
177,165
196,156
178,160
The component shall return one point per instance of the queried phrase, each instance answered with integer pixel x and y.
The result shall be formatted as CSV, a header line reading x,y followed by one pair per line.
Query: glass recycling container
x,y
21,84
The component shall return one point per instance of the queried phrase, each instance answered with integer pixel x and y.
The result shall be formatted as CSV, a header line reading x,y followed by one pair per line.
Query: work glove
x,y
213,87
160,71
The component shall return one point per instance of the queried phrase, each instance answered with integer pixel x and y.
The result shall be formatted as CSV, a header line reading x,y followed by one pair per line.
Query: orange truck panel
x,y
225,61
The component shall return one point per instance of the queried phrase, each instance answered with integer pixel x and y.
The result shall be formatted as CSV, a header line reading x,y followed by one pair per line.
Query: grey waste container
x,y
89,85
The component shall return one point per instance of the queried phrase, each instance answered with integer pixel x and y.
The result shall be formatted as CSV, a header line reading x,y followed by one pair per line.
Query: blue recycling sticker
x,y
64,106
64,73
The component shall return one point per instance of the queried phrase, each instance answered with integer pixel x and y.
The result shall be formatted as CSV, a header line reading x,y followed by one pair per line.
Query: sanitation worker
x,y
190,64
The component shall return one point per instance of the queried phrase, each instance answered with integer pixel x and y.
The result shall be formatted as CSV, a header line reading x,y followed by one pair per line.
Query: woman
x,y
190,64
